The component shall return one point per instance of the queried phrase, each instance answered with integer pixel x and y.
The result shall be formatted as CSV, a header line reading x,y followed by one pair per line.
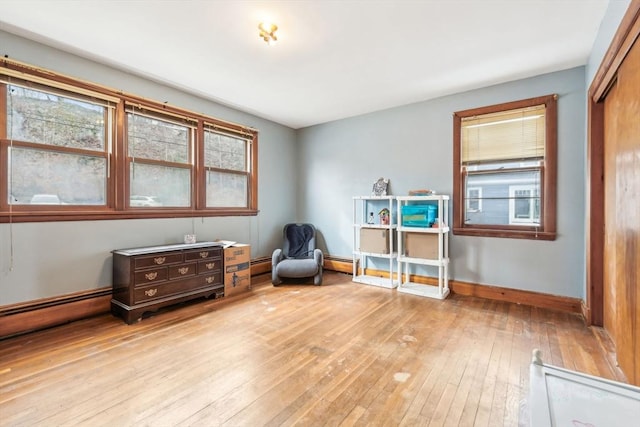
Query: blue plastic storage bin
x,y
419,215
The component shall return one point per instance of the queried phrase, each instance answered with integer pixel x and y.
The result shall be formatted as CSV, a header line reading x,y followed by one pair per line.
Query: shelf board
x,y
424,261
432,197
380,226
423,290
392,255
383,282
433,230
373,197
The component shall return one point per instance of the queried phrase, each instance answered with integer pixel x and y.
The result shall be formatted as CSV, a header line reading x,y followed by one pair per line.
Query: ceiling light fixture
x,y
268,32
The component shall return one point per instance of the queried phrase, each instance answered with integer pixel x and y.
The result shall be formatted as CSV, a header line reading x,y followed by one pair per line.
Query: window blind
x,y
231,132
508,135
13,77
159,114
59,90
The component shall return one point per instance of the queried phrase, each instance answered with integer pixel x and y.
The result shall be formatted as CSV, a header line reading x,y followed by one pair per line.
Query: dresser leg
x,y
132,317
129,316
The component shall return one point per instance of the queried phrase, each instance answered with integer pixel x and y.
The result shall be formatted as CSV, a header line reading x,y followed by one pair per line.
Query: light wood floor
x,y
339,354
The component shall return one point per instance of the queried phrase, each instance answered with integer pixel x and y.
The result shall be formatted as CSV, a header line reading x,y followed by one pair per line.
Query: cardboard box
x,y
237,269
374,240
421,245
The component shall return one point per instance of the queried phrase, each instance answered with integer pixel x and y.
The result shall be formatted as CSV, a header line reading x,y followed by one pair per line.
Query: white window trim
x,y
512,205
479,199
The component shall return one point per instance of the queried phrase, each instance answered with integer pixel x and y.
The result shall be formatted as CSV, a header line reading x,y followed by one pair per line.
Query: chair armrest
x,y
318,256
276,257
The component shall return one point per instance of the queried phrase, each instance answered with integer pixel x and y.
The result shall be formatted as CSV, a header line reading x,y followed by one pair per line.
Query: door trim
x,y
625,36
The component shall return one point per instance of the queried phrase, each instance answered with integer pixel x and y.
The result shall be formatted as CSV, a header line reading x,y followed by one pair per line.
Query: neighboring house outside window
x,y
505,170
524,204
474,199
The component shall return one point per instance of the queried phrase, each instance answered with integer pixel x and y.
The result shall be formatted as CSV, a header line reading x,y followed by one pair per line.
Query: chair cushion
x,y
297,268
299,241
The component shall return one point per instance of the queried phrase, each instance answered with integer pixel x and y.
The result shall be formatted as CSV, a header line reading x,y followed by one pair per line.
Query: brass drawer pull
x,y
204,254
151,276
209,280
160,260
151,292
183,270
210,265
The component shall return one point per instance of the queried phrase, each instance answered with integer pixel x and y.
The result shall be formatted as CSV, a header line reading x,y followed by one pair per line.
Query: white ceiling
x,y
334,59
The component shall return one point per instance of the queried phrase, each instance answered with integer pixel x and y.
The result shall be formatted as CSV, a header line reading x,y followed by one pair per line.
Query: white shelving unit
x,y
362,260
441,261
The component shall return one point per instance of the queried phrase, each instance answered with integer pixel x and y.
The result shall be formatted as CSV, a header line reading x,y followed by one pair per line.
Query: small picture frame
x,y
380,187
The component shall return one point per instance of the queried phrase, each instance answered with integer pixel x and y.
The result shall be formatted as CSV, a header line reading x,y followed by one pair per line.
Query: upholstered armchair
x,y
298,258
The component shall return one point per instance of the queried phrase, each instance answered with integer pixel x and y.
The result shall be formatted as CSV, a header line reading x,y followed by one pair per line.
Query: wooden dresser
x,y
145,279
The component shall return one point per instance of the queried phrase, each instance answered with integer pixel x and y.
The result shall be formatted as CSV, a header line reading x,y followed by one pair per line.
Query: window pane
x,y
524,207
159,186
46,118
44,177
154,139
224,152
500,205
474,199
226,190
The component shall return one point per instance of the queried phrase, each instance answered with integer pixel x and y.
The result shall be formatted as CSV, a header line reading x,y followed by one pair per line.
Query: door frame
x,y
625,36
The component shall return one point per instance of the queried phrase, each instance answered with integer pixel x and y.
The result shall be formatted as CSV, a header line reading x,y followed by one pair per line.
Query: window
x,y
160,161
524,204
505,170
57,147
72,150
227,164
474,199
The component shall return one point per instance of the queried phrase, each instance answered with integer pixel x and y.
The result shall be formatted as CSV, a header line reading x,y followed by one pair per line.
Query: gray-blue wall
x,y
412,146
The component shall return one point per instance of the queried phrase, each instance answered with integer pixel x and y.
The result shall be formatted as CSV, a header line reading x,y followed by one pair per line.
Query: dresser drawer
x,y
201,254
182,271
171,288
145,277
209,266
157,259
211,279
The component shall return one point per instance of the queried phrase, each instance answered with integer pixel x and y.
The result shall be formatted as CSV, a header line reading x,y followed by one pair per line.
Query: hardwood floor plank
x,y
341,354
463,408
382,343
435,362
353,417
444,376
392,374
